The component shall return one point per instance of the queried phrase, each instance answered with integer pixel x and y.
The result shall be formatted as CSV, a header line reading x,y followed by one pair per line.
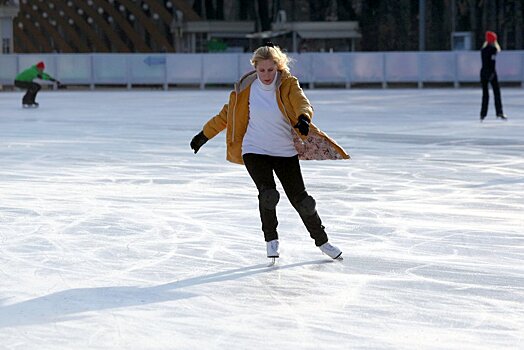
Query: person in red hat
x,y
488,75
24,80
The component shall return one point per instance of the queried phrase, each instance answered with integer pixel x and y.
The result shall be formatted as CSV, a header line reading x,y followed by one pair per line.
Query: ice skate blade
x,y
272,262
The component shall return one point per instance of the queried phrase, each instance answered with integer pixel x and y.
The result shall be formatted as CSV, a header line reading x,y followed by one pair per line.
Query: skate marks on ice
x,y
434,299
101,206
77,303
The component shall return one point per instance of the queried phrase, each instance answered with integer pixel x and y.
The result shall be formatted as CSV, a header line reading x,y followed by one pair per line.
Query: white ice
x,y
114,235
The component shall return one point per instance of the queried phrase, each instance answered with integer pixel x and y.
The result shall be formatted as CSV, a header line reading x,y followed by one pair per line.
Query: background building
x,y
231,25
8,10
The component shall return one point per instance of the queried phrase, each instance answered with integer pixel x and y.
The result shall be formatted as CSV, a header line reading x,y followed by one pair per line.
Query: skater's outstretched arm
x,y
213,127
216,124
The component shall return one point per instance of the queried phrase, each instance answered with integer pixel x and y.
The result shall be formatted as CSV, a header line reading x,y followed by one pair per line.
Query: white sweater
x,y
268,131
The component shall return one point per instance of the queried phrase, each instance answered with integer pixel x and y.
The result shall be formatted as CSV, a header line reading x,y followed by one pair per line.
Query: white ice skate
x,y
330,250
272,251
30,105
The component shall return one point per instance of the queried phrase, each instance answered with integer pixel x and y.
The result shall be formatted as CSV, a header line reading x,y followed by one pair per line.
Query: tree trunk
x,y
220,10
502,29
492,15
210,10
199,8
345,10
518,25
370,33
263,14
473,20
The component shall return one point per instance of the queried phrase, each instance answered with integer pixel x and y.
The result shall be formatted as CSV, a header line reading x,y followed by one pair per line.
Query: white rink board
x,y
226,68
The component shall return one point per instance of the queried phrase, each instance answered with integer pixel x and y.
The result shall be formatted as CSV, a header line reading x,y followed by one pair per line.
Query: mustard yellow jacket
x,y
292,103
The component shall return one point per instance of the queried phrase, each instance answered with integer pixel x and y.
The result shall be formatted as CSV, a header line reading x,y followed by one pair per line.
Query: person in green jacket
x,y
24,80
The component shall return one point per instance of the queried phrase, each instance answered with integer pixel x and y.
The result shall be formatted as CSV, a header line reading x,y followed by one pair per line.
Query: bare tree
x,y
263,15
501,23
220,9
473,19
518,24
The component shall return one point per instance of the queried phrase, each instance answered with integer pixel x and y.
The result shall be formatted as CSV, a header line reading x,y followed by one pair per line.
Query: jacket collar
x,y
248,78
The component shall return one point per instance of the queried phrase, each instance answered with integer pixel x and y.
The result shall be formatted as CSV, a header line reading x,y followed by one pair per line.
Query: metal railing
x,y
345,69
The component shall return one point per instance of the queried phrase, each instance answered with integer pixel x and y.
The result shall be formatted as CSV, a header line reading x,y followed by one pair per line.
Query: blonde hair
x,y
271,53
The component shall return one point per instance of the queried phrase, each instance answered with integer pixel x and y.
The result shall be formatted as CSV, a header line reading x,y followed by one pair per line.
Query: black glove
x,y
59,85
198,141
303,125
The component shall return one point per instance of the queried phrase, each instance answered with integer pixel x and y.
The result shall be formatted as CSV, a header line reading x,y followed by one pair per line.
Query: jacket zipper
x,y
234,115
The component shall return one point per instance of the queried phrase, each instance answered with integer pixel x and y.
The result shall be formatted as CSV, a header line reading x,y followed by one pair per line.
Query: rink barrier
x,y
345,69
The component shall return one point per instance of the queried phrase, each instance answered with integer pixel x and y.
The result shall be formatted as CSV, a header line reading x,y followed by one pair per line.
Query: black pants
x,y
485,95
287,169
32,90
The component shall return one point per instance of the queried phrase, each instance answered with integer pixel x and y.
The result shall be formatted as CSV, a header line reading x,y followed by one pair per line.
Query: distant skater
x,y
488,75
268,123
24,80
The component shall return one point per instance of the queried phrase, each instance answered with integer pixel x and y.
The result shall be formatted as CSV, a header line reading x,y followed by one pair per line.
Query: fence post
x,y
166,85
311,76
384,83
522,68
92,71
202,74
455,68
128,71
349,64
17,64
239,73
420,70
55,66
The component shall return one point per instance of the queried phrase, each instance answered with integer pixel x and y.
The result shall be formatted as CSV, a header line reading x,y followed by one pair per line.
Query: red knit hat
x,y
40,65
491,37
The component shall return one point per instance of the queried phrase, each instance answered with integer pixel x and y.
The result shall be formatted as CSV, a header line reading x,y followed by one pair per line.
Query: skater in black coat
x,y
488,75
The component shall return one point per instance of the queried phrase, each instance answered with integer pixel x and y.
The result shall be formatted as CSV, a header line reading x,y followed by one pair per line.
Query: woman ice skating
x,y
268,129
24,80
488,75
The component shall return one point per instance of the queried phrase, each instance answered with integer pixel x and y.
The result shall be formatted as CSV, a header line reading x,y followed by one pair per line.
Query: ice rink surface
x,y
114,235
